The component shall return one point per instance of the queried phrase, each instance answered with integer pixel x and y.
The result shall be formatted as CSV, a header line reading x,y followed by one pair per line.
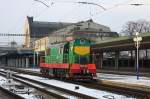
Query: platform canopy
x,y
122,44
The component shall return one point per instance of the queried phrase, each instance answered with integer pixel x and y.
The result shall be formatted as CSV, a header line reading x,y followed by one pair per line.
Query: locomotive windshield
x,y
82,51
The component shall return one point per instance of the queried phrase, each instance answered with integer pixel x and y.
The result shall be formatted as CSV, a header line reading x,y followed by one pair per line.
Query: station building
x,y
38,29
85,29
39,35
16,56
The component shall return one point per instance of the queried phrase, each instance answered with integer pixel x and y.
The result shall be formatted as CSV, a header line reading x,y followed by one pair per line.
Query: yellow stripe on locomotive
x,y
82,50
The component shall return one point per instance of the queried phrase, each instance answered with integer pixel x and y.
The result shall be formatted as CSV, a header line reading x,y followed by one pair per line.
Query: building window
x,y
82,41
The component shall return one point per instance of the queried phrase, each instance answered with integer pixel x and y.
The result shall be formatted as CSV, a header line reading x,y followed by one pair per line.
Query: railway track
x,y
117,89
57,92
16,81
9,94
106,87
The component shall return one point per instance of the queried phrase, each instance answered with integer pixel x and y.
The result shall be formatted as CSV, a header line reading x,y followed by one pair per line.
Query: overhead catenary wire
x,y
105,9
128,3
85,3
80,2
42,2
42,11
92,3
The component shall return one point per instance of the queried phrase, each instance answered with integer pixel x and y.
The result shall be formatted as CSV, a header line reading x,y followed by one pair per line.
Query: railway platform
x,y
129,71
126,82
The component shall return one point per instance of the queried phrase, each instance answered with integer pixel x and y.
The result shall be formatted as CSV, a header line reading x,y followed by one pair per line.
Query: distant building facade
x,y
37,29
86,29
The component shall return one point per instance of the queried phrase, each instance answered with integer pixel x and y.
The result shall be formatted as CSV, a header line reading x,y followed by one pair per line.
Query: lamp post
x,y
34,61
37,53
137,40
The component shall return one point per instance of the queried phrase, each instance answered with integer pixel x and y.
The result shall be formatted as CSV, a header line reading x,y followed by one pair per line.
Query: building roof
x,y
40,29
122,43
87,28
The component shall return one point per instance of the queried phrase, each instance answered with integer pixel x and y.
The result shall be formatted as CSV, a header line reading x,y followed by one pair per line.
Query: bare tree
x,y
140,26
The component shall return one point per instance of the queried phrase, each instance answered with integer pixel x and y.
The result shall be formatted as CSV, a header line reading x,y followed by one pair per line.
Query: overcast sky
x,y
14,12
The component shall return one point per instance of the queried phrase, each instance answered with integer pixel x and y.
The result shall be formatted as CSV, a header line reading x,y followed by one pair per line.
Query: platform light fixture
x,y
137,39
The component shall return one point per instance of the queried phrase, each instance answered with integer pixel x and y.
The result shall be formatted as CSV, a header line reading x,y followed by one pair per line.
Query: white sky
x,y
13,13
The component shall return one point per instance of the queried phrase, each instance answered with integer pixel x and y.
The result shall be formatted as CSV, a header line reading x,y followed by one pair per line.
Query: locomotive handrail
x,y
57,58
62,58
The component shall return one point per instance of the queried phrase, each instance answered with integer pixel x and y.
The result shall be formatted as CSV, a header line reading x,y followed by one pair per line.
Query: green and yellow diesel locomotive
x,y
70,60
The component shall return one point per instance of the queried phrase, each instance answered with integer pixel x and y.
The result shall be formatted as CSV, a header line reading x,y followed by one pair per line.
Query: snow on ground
x,y
32,69
124,79
2,70
4,84
2,80
84,90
